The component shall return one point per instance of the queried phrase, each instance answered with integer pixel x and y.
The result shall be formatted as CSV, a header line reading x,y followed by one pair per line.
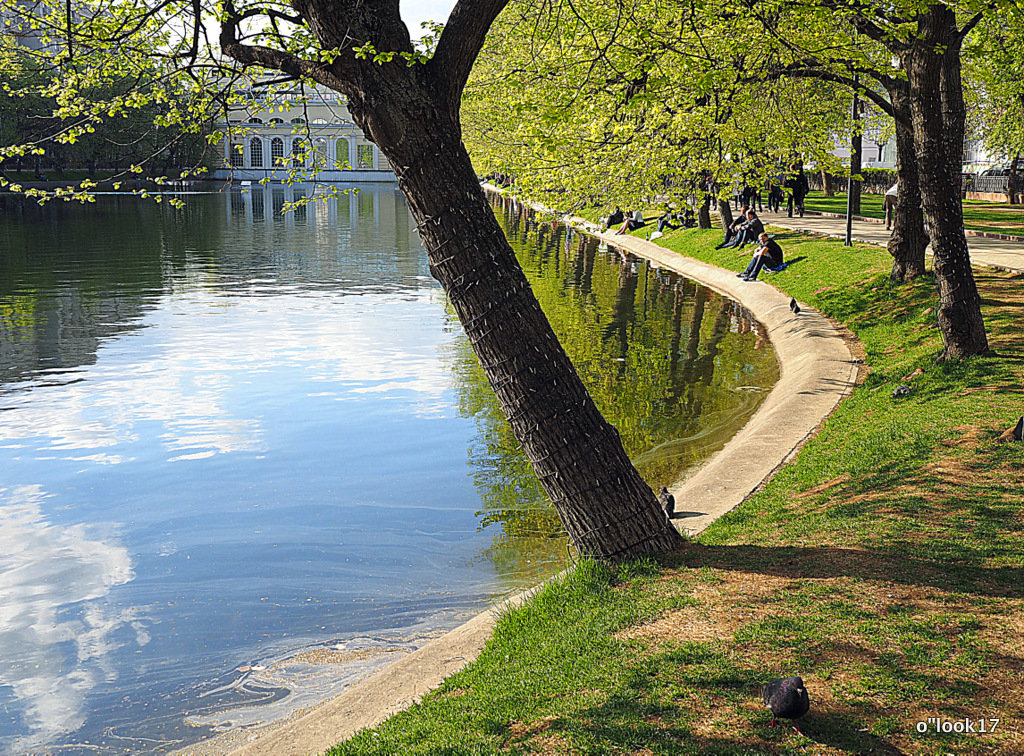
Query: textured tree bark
x,y
704,214
1014,184
826,183
725,213
908,241
932,61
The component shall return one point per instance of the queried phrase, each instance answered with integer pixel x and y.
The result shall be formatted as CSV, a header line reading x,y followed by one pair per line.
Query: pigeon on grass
x,y
786,697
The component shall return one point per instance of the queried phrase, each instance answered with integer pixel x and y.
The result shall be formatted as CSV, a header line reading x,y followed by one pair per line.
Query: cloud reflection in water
x,y
56,635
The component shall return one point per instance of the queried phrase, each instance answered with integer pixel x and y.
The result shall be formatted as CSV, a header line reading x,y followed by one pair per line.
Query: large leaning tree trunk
x,y
932,61
412,113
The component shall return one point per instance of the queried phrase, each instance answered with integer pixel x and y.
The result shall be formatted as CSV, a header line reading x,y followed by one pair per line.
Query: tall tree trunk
x,y
606,507
412,113
932,61
826,183
725,212
704,213
908,241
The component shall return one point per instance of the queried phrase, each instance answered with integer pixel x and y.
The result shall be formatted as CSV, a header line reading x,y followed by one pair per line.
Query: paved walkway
x,y
992,253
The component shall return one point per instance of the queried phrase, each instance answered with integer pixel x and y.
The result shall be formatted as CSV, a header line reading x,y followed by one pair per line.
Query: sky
x,y
414,12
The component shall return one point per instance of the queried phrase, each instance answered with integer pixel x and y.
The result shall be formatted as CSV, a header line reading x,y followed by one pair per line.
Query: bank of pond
x,y
248,455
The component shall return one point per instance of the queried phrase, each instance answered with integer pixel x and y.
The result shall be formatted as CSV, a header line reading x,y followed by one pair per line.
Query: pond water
x,y
247,456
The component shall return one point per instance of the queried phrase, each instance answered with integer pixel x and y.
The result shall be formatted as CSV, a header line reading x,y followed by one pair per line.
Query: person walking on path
x,y
889,203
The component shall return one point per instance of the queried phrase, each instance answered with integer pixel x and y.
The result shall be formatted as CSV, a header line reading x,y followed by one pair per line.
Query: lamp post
x,y
854,158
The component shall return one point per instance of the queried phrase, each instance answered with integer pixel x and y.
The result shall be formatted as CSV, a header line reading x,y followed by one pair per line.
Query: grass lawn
x,y
884,565
980,216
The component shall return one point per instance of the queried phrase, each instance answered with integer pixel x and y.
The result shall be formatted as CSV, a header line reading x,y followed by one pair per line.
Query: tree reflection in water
x,y
676,367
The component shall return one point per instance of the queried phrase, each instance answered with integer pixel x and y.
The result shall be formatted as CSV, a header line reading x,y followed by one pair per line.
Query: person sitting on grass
x,y
669,220
749,231
768,255
733,228
632,223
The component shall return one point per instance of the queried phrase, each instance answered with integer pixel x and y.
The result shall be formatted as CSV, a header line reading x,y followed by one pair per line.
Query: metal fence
x,y
988,184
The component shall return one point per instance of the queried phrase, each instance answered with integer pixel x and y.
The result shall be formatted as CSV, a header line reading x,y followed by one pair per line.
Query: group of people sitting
x,y
746,229
670,219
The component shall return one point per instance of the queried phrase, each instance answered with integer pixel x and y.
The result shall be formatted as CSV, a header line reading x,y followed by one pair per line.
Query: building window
x,y
237,158
364,156
256,153
320,154
277,150
341,154
297,120
298,152
254,119
276,121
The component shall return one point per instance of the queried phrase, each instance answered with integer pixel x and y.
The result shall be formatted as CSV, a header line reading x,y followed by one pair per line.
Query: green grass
x,y
979,216
884,564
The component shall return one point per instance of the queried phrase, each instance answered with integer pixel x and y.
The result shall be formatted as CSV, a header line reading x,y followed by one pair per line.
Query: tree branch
x,y
268,57
460,43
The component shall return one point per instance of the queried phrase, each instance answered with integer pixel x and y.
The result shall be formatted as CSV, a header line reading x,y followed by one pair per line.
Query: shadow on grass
x,y
845,733
803,562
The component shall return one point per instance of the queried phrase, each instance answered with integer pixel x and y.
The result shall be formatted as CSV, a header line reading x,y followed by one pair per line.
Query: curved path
x,y
817,371
991,251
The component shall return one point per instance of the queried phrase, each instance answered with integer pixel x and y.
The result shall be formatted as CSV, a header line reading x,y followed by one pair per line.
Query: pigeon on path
x,y
794,306
668,502
786,697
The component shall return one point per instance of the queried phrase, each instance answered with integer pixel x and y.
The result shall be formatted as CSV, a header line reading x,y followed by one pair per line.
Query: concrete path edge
x,y
817,370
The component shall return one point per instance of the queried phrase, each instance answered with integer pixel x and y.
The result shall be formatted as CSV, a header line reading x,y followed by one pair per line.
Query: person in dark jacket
x,y
733,229
769,255
798,189
749,232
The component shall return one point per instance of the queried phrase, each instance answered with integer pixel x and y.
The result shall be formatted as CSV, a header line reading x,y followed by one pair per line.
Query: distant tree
x,y
994,62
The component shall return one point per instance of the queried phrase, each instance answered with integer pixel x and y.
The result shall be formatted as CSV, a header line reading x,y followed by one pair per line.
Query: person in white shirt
x,y
889,203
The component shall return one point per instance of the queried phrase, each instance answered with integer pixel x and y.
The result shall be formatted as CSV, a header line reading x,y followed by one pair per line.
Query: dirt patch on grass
x,y
822,487
720,609
550,745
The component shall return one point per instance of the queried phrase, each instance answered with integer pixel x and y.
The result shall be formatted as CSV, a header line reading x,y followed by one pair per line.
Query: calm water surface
x,y
247,456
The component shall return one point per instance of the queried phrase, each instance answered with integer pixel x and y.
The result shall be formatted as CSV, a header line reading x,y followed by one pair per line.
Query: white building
x,y
293,133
